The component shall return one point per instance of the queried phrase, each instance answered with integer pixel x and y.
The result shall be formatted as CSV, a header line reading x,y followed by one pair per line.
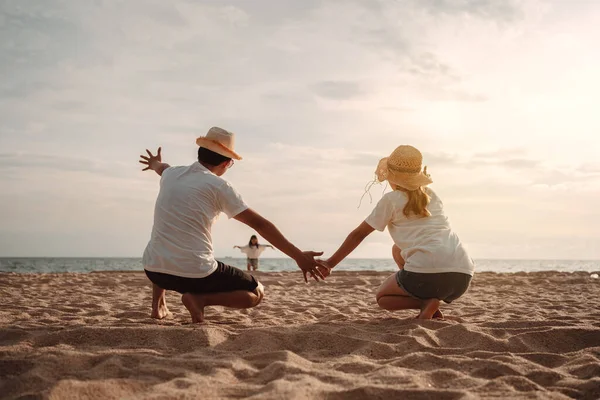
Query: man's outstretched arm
x,y
267,230
154,162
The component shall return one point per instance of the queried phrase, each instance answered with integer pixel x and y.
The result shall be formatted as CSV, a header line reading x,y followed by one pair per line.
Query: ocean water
x,y
46,265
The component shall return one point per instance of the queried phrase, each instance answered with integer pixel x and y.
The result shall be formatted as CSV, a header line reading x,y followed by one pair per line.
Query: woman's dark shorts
x,y
446,286
225,279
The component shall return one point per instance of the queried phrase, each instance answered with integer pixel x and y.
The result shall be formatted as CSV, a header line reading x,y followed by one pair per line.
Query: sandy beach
x,y
79,336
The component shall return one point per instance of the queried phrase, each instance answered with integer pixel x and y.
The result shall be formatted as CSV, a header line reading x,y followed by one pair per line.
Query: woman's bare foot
x,y
160,312
436,315
429,309
194,306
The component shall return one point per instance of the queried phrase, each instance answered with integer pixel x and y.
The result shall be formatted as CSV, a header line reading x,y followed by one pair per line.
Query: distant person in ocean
x,y
179,255
434,265
253,250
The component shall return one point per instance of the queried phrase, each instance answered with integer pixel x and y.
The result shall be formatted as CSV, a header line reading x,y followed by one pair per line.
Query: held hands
x,y
152,161
324,266
316,268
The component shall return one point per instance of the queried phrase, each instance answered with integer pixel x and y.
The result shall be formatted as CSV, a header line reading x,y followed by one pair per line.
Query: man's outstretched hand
x,y
152,161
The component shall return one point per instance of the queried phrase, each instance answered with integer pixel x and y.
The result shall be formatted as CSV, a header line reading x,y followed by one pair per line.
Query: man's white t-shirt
x,y
428,244
253,251
189,201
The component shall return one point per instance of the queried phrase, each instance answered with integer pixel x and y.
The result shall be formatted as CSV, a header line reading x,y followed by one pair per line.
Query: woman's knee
x,y
378,294
378,297
390,287
383,302
381,293
387,301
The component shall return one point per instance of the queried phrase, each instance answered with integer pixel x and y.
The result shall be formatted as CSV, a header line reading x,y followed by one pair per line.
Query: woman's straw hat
x,y
403,168
220,141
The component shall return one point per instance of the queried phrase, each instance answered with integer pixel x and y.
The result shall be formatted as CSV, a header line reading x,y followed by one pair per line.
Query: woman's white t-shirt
x,y
253,251
428,244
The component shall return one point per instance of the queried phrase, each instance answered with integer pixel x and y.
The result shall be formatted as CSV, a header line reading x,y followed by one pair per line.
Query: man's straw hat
x,y
403,168
220,141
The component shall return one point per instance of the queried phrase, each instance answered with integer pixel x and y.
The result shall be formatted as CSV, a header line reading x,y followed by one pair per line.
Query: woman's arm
x,y
352,241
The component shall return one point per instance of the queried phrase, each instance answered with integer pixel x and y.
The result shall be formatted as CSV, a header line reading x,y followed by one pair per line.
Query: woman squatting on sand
x,y
434,265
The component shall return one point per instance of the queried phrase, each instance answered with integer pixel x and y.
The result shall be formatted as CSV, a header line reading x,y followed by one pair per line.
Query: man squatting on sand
x,y
179,255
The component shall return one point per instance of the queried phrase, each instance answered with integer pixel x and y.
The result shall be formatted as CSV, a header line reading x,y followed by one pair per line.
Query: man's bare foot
x,y
159,303
429,309
160,312
194,306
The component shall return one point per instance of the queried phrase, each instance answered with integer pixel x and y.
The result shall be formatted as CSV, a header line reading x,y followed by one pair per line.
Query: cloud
x,y
16,160
505,158
337,90
515,160
557,177
451,95
535,171
520,163
509,163
500,153
442,159
589,168
505,10
428,65
29,163
35,40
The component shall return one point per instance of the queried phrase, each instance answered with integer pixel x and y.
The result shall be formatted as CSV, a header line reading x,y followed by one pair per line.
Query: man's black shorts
x,y
225,279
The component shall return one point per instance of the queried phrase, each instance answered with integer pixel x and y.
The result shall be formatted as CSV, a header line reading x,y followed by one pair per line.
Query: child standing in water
x,y
434,265
253,250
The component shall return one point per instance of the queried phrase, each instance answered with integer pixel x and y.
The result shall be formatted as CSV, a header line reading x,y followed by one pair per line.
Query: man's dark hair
x,y
209,157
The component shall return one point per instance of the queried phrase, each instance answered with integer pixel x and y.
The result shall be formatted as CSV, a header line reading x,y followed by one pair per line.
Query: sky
x,y
501,98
